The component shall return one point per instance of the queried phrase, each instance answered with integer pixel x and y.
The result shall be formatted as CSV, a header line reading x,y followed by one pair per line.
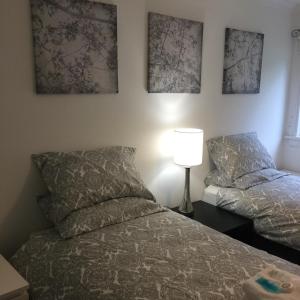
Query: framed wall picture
x,y
75,46
242,62
174,54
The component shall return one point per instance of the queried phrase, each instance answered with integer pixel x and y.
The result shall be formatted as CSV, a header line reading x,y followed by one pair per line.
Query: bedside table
x,y
235,226
12,285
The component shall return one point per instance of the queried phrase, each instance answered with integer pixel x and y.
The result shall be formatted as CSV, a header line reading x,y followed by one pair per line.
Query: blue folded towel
x,y
272,284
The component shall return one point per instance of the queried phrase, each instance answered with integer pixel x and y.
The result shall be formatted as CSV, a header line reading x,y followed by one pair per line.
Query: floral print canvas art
x,y
75,46
175,55
242,62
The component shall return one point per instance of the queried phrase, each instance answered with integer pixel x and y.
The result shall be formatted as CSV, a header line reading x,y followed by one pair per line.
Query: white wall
x,y
30,123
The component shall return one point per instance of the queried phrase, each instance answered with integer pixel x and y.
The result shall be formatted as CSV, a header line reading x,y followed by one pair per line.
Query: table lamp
x,y
188,152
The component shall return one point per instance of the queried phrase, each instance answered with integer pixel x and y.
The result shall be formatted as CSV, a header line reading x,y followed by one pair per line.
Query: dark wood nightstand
x,y
239,228
235,226
12,285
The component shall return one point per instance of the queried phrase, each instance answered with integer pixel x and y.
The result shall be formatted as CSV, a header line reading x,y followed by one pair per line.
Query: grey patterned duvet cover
x,y
159,255
273,206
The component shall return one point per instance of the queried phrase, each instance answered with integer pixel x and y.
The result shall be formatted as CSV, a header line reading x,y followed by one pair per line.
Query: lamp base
x,y
186,206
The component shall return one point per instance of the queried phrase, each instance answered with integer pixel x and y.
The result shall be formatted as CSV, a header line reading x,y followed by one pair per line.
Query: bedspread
x,y
157,255
274,207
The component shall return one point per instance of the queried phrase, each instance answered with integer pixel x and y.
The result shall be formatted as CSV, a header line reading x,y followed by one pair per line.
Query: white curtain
x,y
293,123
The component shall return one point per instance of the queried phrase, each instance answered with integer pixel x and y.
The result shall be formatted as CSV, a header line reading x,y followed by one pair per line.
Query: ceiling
x,y
287,3
291,3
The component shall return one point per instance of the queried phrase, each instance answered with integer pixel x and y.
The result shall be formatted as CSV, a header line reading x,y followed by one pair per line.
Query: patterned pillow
x,y
258,177
48,207
106,214
84,178
237,155
215,178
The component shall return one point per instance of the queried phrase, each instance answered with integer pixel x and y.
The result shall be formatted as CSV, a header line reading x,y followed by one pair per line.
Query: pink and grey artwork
x,y
175,55
242,62
75,46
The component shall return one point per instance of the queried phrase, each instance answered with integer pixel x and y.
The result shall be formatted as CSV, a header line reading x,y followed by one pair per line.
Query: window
x,y
293,120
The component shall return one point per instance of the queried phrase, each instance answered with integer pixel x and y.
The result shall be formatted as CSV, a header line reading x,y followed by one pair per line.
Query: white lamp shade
x,y
188,147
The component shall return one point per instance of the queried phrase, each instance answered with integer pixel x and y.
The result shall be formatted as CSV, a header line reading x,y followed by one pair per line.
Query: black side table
x,y
239,228
233,225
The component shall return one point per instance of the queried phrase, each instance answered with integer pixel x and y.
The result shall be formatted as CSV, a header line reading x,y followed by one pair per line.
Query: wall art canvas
x,y
75,46
174,55
242,62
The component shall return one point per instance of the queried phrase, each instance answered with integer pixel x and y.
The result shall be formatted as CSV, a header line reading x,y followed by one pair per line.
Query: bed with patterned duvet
x,y
138,250
251,186
110,239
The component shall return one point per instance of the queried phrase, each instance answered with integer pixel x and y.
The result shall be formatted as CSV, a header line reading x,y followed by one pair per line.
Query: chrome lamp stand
x,y
186,206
